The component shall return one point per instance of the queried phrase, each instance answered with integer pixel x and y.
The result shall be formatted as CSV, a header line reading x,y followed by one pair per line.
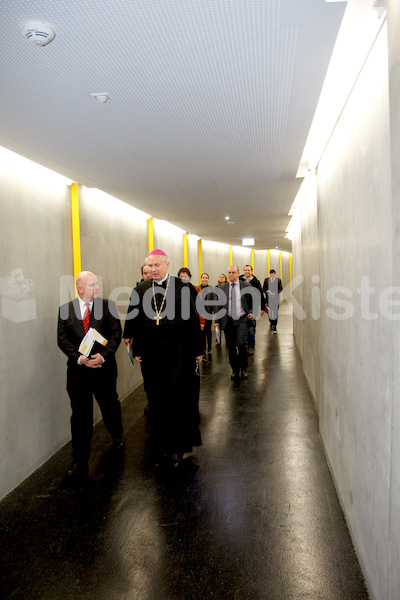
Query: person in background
x,y
167,346
94,375
272,288
222,279
238,309
207,294
146,273
249,276
185,275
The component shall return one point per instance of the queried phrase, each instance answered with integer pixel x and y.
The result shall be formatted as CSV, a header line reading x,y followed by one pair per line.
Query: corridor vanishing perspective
x,y
253,516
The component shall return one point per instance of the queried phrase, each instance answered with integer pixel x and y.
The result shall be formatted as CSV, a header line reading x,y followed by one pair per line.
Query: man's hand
x,y
138,358
94,362
250,316
127,340
200,358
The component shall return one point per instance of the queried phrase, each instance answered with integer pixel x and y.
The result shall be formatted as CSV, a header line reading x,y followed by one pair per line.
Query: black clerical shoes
x,y
235,376
78,471
118,443
244,374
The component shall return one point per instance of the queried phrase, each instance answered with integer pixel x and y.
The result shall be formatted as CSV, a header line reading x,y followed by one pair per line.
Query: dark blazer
x,y
266,286
257,284
246,299
71,332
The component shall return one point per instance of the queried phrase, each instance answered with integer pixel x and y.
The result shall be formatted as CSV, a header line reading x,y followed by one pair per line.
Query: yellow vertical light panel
x,y
269,263
200,252
230,256
150,233
252,260
280,264
185,250
76,233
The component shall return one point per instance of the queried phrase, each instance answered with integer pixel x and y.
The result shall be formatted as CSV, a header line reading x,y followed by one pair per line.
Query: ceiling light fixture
x,y
248,242
357,34
37,33
101,97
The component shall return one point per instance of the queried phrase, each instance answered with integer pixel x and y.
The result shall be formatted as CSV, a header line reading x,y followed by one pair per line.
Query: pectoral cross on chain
x,y
157,319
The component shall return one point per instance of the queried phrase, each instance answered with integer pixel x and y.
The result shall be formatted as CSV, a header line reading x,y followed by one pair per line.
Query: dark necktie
x,y
233,301
86,318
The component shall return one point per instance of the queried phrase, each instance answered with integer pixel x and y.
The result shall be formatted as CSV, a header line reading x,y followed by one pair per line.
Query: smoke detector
x,y
37,33
101,97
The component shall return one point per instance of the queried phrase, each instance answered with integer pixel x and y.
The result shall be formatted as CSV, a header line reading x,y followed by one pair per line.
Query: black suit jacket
x,y
256,283
246,299
71,332
265,290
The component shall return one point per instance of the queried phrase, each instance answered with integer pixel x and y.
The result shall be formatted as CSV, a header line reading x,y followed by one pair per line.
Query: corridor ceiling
x,y
211,102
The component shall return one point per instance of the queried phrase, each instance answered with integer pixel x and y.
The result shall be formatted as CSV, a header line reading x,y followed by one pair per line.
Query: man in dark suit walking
x,y
272,289
238,309
249,276
95,374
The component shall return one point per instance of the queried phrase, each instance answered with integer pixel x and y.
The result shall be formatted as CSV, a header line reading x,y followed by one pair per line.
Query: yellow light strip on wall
x,y
150,233
230,256
185,250
252,260
200,252
280,264
76,234
269,263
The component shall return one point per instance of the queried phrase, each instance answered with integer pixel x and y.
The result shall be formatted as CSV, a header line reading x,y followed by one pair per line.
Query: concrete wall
x,y
36,246
393,8
37,275
344,253
113,245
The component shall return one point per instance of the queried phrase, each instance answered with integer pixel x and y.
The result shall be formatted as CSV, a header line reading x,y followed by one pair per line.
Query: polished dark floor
x,y
254,516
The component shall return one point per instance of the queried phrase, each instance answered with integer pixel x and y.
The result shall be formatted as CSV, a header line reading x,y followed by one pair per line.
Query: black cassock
x,y
168,350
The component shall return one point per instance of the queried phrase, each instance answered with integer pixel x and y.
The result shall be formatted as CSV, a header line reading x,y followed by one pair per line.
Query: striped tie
x,y
86,318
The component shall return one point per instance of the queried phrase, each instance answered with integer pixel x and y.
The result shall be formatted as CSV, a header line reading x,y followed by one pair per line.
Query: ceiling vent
x,y
37,33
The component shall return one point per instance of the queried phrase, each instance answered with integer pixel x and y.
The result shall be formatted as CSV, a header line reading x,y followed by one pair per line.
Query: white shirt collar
x,y
82,303
162,280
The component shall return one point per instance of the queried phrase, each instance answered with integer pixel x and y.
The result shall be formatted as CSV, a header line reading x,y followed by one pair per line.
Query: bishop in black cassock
x,y
166,339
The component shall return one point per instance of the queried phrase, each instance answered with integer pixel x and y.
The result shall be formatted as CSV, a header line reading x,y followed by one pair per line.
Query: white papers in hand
x,y
88,341
130,355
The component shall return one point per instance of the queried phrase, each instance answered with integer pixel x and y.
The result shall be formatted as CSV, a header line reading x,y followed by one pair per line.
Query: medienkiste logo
x,y
17,304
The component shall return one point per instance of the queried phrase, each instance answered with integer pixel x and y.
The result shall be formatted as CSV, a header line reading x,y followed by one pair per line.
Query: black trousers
x,y
207,334
236,335
82,385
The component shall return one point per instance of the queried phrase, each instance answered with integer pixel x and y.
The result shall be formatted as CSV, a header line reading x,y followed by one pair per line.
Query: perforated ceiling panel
x,y
210,103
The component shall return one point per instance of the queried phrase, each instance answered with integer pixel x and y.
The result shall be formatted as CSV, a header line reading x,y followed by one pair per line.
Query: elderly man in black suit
x,y
93,375
240,304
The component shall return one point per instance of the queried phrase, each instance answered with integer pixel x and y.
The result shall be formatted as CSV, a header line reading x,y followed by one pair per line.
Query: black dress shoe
x,y
235,376
176,461
118,443
78,471
244,374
